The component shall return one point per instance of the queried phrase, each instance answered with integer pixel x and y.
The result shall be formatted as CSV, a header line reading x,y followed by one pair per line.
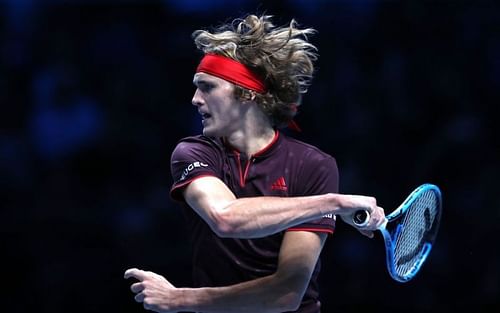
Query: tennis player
x,y
259,204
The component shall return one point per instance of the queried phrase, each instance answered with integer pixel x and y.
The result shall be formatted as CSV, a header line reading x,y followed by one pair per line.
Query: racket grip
x,y
361,218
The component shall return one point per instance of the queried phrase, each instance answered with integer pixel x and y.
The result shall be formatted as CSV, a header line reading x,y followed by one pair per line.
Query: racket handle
x,y
361,218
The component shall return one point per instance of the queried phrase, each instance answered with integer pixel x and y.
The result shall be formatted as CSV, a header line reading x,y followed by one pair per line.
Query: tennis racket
x,y
409,231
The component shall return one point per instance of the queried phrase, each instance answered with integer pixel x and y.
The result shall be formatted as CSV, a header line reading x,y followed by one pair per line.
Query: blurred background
x,y
95,94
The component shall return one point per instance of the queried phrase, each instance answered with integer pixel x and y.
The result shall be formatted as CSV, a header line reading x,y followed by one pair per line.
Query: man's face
x,y
214,97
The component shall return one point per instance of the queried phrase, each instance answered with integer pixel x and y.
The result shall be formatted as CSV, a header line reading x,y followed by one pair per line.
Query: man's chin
x,y
209,132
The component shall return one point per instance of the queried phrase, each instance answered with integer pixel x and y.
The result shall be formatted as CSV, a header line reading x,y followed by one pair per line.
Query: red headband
x,y
232,71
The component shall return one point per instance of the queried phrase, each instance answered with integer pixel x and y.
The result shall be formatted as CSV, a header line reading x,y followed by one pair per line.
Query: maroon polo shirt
x,y
285,168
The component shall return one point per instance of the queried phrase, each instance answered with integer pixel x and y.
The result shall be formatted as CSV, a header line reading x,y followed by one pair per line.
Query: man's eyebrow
x,y
201,81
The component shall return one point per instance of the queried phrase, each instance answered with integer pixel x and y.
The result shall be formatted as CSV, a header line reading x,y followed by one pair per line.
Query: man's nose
x,y
197,100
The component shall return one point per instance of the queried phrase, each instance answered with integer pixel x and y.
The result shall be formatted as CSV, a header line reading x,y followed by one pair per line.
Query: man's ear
x,y
248,95
252,95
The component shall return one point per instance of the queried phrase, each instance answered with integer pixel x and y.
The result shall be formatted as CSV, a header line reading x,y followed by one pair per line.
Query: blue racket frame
x,y
389,239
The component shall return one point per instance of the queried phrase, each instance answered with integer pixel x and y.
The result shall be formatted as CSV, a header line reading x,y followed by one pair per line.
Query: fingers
x,y
351,204
135,273
139,297
143,288
146,302
379,217
376,218
137,287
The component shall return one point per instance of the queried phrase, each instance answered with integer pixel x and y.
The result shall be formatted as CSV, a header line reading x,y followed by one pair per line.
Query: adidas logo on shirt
x,y
279,184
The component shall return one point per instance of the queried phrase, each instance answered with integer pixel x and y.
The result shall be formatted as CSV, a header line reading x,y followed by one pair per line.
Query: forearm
x,y
266,294
262,216
255,217
282,291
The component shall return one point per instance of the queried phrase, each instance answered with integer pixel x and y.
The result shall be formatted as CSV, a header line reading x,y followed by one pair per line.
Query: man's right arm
x,y
254,217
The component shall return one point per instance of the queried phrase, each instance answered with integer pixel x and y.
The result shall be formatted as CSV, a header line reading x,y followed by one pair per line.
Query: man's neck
x,y
249,142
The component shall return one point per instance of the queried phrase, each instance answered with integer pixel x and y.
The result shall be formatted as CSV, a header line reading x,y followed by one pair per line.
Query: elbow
x,y
287,298
289,302
224,225
289,292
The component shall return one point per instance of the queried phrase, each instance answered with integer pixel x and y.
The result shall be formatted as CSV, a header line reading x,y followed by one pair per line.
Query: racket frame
x,y
362,217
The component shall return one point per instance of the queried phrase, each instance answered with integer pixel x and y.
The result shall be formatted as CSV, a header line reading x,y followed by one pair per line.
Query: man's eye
x,y
205,87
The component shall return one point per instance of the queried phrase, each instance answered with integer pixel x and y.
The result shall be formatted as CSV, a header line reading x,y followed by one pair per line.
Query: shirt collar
x,y
265,151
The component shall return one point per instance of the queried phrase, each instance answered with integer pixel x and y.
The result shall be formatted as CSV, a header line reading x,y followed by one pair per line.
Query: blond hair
x,y
282,56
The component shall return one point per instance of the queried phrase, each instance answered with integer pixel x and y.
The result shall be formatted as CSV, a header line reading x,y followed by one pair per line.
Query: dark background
x,y
95,94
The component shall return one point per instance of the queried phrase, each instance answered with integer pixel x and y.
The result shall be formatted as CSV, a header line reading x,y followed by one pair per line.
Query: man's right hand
x,y
350,204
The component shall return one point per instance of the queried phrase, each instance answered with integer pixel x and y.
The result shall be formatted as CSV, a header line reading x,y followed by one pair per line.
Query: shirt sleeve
x,y
319,176
191,159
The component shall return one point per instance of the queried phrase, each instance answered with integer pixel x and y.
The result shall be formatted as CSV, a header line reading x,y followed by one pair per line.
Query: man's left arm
x,y
279,292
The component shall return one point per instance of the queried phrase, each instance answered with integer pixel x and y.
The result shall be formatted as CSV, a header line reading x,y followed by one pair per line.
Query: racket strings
x,y
417,229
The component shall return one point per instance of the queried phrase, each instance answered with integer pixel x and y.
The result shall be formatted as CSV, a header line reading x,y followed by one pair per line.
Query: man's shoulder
x,y
305,149
198,143
198,140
